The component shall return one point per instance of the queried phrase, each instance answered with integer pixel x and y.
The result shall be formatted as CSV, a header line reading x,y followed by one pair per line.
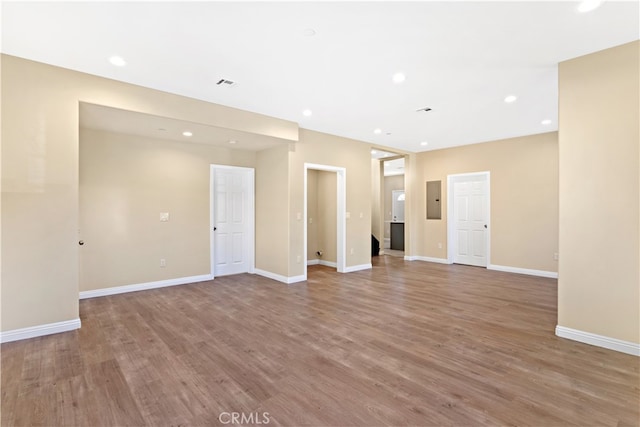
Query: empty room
x,y
320,213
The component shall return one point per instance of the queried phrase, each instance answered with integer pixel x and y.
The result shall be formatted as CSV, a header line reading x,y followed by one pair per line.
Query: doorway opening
x,y
468,219
324,216
232,220
392,203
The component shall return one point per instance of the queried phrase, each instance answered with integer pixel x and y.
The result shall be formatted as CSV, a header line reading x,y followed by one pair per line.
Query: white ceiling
x,y
460,58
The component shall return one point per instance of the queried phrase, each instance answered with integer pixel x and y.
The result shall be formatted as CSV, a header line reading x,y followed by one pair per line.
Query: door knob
x,y
81,242
485,226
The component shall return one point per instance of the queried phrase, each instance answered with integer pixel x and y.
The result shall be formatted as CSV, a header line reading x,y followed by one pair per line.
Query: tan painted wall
x,y
524,198
125,182
391,183
377,228
327,215
598,289
312,214
272,210
330,150
40,140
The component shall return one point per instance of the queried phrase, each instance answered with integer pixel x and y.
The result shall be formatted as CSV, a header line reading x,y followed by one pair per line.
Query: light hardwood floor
x,y
406,343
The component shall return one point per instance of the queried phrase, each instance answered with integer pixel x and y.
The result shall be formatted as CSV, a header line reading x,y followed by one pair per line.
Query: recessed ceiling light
x,y
307,113
511,98
233,141
589,5
187,133
424,143
309,32
399,77
377,131
118,61
546,122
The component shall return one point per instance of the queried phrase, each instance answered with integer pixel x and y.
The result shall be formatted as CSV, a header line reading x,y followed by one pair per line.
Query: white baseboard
x,y
360,267
599,340
144,286
426,258
322,262
530,272
279,277
40,330
328,263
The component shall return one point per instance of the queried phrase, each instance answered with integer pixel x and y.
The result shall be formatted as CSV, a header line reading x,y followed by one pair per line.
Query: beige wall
x,y
598,289
272,210
391,183
40,140
355,156
321,215
524,199
125,182
377,228
327,215
312,215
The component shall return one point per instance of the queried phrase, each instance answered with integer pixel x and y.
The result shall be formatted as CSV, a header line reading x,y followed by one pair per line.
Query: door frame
x,y
341,205
451,224
251,247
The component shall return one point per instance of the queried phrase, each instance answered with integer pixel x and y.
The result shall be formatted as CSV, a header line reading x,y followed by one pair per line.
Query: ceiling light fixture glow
x,y
233,141
377,131
373,151
118,61
546,122
511,98
307,113
399,77
187,133
589,5
424,143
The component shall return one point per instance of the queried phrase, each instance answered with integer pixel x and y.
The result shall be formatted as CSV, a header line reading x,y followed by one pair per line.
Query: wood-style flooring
x,y
406,343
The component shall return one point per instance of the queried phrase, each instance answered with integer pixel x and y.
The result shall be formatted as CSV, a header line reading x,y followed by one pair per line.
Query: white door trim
x,y
251,215
341,203
451,227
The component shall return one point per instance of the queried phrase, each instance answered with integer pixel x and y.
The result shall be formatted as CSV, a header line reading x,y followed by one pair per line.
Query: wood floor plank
x,y
405,343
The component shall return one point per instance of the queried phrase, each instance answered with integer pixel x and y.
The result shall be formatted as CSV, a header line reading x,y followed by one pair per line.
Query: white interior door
x,y
470,214
232,246
397,206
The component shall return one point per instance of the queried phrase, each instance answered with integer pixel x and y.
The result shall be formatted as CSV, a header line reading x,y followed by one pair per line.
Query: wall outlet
x,y
164,216
555,256
310,220
298,259
439,245
163,262
351,251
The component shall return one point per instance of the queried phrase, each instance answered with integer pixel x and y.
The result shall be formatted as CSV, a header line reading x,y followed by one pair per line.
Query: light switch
x,y
164,216
299,216
348,215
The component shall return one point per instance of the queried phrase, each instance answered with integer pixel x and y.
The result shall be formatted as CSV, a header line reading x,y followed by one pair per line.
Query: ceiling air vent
x,y
225,82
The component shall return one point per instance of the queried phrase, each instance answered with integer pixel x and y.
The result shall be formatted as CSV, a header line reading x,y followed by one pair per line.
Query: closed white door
x,y
397,207
232,221
470,212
